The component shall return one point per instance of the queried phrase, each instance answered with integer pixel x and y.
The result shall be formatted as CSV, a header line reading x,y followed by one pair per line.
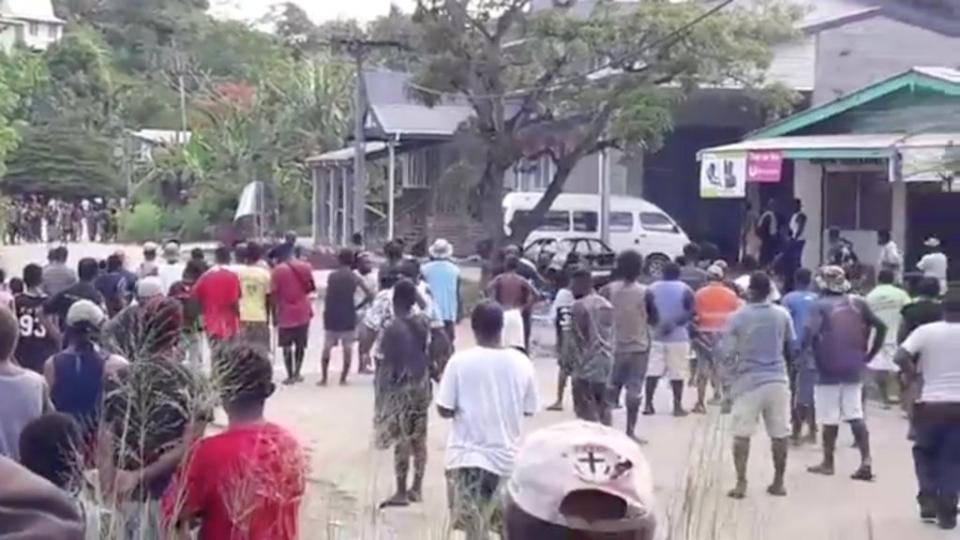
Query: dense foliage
x,y
256,103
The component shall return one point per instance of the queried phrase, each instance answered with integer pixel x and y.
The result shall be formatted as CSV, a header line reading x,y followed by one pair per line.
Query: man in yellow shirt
x,y
255,296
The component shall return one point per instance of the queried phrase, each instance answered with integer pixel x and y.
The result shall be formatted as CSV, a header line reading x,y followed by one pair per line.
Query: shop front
x,y
865,163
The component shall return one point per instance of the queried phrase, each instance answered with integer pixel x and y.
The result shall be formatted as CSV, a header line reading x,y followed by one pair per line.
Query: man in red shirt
x,y
218,292
291,283
247,482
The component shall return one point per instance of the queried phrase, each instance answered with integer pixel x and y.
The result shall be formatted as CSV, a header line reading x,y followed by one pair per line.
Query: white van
x,y
634,224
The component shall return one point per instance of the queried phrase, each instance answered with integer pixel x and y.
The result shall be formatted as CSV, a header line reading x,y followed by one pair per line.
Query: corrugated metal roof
x,y
346,154
441,120
34,10
939,72
162,136
809,142
873,141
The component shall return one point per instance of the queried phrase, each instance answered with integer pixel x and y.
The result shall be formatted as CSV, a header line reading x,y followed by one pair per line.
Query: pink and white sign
x,y
764,166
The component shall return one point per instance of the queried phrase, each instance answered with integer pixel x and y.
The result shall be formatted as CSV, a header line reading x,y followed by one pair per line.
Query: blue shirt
x,y
674,302
442,277
754,340
798,304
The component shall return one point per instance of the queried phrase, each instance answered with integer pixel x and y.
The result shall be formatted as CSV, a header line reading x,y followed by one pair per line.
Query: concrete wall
x,y
863,52
806,187
41,35
8,38
584,177
794,63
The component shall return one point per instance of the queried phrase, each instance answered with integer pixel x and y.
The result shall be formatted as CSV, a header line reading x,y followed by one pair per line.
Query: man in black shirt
x,y
59,304
403,393
340,313
39,337
925,308
112,285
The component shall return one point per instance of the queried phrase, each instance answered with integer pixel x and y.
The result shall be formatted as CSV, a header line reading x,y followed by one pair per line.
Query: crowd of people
x,y
776,240
36,219
797,361
102,369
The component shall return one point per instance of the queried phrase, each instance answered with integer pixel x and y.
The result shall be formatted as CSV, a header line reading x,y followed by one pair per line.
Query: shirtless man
x,y
513,292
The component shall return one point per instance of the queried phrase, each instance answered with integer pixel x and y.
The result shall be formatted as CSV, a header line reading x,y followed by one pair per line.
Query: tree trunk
x,y
491,203
521,228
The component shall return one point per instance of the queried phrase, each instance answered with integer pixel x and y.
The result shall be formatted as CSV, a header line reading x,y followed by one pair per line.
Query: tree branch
x,y
542,85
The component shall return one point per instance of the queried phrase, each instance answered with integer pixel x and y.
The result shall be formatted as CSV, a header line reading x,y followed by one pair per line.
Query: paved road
x,y
689,458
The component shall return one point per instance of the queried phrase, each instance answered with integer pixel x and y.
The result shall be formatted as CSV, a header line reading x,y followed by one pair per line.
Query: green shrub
x,y
193,223
142,223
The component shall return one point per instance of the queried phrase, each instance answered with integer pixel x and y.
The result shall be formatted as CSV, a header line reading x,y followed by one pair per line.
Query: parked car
x,y
553,256
634,224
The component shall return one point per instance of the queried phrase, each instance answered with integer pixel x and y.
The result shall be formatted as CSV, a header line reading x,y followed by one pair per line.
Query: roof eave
x,y
911,78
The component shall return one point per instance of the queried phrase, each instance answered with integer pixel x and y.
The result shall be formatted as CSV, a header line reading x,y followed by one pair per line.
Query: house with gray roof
x,y
29,23
435,165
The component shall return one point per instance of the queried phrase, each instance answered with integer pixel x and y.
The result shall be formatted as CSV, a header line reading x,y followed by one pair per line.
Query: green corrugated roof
x,y
943,80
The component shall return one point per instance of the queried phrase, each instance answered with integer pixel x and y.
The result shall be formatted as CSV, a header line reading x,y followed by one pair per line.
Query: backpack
x,y
842,345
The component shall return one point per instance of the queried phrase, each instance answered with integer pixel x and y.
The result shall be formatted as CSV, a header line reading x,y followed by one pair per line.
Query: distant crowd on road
x,y
35,219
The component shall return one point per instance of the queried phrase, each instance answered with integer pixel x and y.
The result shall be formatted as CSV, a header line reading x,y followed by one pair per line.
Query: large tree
x,y
64,161
567,85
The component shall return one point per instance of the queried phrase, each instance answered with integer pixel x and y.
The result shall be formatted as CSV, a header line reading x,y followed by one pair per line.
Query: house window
x,y
34,29
52,31
621,222
533,174
415,173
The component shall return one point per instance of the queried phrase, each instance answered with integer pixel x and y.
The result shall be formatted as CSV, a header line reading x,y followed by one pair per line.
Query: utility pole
x,y
359,49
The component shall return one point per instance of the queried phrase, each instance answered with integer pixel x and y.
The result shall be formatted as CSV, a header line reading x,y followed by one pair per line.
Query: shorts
x,y
804,382
705,349
590,401
332,338
401,414
566,352
513,334
670,360
837,403
629,371
770,401
256,332
295,336
883,361
472,499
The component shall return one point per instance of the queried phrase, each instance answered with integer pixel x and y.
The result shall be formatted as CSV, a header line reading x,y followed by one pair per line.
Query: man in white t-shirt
x,y
930,353
890,257
486,391
934,263
170,270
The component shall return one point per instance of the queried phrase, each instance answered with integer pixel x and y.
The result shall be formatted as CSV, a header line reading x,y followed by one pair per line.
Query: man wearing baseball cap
x,y
579,480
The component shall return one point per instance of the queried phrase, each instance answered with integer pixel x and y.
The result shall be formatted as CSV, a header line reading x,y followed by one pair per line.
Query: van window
x,y
621,222
652,221
553,220
585,221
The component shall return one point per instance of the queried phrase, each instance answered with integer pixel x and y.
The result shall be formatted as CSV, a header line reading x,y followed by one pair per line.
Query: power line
x,y
359,49
624,58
